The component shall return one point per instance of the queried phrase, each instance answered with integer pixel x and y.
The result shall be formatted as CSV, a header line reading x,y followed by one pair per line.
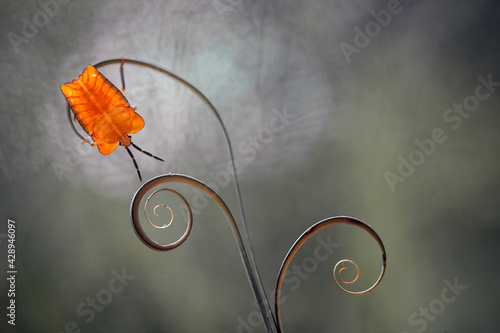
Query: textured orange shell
x,y
102,110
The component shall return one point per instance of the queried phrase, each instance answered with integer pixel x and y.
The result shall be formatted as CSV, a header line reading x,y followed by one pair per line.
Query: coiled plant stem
x,y
248,256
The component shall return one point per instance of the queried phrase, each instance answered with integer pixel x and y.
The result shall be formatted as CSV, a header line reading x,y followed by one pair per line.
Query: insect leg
x,y
135,163
122,74
146,152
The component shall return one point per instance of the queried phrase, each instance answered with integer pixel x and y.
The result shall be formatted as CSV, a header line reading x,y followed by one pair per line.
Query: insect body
x,y
103,112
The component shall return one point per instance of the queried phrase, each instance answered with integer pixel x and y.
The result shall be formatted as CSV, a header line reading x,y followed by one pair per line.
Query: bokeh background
x,y
354,107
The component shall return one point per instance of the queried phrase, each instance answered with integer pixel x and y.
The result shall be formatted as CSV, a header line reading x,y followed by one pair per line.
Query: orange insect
x,y
103,112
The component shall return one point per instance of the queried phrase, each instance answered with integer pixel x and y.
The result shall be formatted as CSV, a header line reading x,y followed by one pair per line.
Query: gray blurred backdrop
x,y
382,110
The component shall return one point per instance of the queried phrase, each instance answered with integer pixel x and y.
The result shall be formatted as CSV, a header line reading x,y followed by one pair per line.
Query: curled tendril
x,y
247,257
154,210
308,234
136,224
177,178
250,264
341,262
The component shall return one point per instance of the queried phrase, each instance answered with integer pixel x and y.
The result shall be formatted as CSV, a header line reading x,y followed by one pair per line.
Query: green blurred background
x,y
354,114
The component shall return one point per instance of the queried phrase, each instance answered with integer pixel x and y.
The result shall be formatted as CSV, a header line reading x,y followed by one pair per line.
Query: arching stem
x,y
176,178
252,270
312,231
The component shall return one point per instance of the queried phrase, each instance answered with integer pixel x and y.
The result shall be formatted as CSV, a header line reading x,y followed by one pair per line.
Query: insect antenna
x,y
146,152
135,163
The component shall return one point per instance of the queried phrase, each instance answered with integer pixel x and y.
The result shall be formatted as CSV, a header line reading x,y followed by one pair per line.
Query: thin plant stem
x,y
248,261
